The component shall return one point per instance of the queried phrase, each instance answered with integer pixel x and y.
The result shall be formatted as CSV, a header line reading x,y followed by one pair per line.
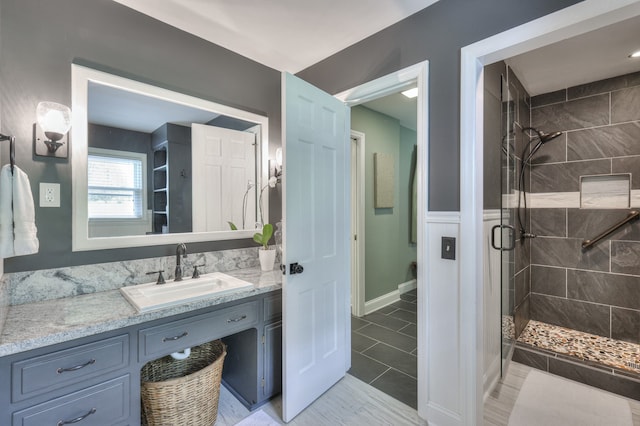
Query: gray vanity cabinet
x,y
95,381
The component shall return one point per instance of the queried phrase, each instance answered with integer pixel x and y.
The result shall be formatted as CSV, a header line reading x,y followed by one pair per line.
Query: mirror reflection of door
x,y
225,161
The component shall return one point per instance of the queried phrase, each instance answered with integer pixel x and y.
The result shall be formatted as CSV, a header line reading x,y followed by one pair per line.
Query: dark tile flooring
x,y
384,347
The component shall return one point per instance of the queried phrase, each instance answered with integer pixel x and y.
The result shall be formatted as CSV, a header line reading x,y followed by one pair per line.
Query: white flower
x,y
273,181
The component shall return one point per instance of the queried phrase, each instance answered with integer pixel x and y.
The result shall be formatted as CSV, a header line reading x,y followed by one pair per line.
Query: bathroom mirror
x,y
152,166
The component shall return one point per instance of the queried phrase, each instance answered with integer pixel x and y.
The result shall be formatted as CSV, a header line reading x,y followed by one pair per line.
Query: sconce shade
x,y
279,157
54,119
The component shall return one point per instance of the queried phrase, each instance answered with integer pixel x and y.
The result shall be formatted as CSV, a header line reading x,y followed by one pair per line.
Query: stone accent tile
x,y
567,252
549,98
554,151
565,177
399,386
530,358
522,315
522,286
625,325
581,316
576,114
616,384
607,289
602,86
549,222
625,105
549,281
625,257
588,223
630,164
365,368
603,142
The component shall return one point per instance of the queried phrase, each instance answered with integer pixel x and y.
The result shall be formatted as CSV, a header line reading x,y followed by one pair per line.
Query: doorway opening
x,y
566,23
380,338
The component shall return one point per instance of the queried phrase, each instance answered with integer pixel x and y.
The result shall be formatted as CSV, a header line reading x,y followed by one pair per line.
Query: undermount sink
x,y
147,297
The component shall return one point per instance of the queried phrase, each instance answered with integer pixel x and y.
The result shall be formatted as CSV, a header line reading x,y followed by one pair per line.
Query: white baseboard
x,y
389,298
407,286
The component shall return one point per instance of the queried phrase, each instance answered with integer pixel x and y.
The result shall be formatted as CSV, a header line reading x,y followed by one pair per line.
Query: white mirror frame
x,y
80,78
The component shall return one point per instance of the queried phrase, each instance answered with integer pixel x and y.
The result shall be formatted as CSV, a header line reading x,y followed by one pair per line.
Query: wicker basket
x,y
183,392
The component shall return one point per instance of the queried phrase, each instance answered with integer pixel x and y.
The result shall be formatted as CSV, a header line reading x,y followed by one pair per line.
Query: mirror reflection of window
x,y
117,193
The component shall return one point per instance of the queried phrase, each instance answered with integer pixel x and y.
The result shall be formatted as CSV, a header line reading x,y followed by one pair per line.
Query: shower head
x,y
546,137
542,136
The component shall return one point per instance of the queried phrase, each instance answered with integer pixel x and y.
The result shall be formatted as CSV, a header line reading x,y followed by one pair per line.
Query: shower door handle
x,y
512,237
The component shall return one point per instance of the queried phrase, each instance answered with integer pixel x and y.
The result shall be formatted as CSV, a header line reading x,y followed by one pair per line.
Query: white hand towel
x,y
6,212
24,217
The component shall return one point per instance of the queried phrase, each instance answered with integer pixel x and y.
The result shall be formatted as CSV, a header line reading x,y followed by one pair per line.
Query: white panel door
x,y
316,337
226,160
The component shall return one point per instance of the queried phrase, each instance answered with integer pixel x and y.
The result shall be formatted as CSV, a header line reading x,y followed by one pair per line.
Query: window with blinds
x,y
116,184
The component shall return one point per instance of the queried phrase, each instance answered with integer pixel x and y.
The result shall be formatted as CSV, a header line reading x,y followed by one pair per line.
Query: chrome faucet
x,y
181,249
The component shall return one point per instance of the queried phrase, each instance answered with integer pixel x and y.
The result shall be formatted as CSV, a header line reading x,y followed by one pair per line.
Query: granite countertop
x,y
34,325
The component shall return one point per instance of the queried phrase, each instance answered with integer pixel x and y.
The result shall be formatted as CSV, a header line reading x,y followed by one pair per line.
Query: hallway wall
x,y
388,251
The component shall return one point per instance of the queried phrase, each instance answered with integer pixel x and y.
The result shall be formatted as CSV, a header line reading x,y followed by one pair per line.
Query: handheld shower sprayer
x,y
541,138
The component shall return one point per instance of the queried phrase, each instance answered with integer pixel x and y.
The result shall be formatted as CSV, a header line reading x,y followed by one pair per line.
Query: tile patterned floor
x,y
384,347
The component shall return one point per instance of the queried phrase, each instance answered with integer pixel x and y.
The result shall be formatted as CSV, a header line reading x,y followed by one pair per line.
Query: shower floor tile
x,y
390,363
587,347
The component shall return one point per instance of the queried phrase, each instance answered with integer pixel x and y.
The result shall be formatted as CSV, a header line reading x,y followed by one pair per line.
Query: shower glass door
x,y
508,175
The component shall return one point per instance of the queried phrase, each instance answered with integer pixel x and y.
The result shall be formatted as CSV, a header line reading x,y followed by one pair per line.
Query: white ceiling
x,y
592,56
287,35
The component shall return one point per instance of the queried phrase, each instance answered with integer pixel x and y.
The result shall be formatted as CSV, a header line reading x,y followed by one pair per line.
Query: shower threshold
x,y
609,364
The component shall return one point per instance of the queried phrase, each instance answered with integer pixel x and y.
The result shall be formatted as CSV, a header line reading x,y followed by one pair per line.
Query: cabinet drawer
x,y
100,405
167,338
273,307
55,370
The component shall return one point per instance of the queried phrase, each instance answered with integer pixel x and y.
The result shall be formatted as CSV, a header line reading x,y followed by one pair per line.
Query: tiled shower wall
x,y
598,290
519,118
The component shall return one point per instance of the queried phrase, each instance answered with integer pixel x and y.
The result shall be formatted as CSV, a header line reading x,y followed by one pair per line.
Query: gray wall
x,y
40,40
435,34
597,291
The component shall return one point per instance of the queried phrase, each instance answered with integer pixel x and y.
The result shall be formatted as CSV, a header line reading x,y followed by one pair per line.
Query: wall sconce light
x,y
53,123
278,167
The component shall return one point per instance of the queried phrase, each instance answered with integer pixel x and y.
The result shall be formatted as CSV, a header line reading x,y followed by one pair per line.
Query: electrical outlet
x,y
49,194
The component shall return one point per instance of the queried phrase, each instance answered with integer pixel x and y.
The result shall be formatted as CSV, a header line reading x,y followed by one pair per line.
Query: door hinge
x,y
263,383
263,339
355,237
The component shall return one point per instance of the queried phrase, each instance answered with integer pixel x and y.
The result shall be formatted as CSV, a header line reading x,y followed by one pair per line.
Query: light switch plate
x,y
49,194
449,248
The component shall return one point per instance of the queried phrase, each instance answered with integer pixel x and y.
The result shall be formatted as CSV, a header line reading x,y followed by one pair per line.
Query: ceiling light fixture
x,y
411,93
635,54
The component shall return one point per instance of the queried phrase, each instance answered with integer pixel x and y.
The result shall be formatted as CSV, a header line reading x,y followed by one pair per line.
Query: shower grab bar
x,y
633,215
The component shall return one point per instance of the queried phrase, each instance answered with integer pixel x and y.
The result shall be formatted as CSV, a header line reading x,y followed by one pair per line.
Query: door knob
x,y
295,268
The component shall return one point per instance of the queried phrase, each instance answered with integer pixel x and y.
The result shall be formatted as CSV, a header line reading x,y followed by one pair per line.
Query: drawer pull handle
x,y
77,419
77,367
236,319
168,339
